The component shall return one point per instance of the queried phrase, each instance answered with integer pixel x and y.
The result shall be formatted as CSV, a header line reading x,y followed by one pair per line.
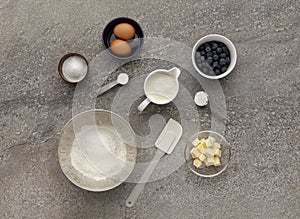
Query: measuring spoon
x,y
122,80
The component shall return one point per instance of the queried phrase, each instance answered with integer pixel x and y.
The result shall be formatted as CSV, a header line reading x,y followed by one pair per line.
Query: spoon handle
x,y
107,87
144,178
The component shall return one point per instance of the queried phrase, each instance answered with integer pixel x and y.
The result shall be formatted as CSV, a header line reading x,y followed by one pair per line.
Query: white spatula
x,y
165,144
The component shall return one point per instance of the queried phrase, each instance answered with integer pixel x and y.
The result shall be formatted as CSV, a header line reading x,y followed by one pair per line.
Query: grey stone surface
x,y
262,98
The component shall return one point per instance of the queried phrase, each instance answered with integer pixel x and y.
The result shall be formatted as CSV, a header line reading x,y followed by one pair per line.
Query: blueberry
x,y
202,52
205,70
214,45
207,49
217,71
205,45
198,61
201,62
222,61
214,52
219,50
223,69
209,60
223,55
228,60
200,67
202,58
221,44
197,55
216,57
224,48
201,47
215,65
210,71
209,54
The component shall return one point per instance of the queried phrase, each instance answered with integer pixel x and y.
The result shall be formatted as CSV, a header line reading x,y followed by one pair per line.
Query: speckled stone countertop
x,y
262,100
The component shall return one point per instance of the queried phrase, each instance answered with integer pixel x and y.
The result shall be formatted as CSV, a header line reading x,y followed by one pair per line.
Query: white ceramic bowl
x,y
230,46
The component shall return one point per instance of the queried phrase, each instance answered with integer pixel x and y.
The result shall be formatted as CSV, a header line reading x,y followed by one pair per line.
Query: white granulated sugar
x,y
74,68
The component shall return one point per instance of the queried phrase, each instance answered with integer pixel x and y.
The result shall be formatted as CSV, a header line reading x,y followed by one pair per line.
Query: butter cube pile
x,y
207,151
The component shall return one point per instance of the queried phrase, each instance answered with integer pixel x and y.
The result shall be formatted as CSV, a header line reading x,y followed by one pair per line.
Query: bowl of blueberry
x,y
214,56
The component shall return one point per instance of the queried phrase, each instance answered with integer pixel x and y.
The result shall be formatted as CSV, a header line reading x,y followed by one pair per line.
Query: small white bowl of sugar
x,y
73,67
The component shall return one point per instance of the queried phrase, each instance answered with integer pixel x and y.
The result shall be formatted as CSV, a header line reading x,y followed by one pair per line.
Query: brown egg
x,y
124,31
120,48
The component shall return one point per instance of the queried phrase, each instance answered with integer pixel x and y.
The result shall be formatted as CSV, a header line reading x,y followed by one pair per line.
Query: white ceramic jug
x,y
161,87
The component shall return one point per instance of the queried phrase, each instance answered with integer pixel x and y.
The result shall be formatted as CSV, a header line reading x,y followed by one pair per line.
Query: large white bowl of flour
x,y
97,150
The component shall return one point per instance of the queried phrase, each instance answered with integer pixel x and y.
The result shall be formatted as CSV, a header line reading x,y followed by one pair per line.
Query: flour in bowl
x,y
101,154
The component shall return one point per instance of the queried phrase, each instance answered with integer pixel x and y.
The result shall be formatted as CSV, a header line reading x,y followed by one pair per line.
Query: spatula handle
x,y
144,178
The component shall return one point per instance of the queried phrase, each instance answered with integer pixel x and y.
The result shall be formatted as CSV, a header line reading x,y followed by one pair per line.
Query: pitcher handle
x,y
144,104
175,72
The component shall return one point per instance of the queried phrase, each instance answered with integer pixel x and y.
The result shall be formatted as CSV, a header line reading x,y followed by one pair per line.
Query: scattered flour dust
x,y
112,159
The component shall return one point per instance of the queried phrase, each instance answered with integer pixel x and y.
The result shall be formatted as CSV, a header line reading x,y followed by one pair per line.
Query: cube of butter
x,y
212,139
210,142
217,161
196,142
203,142
209,152
195,153
209,161
217,145
217,152
201,148
197,163
202,157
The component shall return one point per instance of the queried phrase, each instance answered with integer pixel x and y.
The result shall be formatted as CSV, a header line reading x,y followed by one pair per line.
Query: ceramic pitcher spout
x,y
175,72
